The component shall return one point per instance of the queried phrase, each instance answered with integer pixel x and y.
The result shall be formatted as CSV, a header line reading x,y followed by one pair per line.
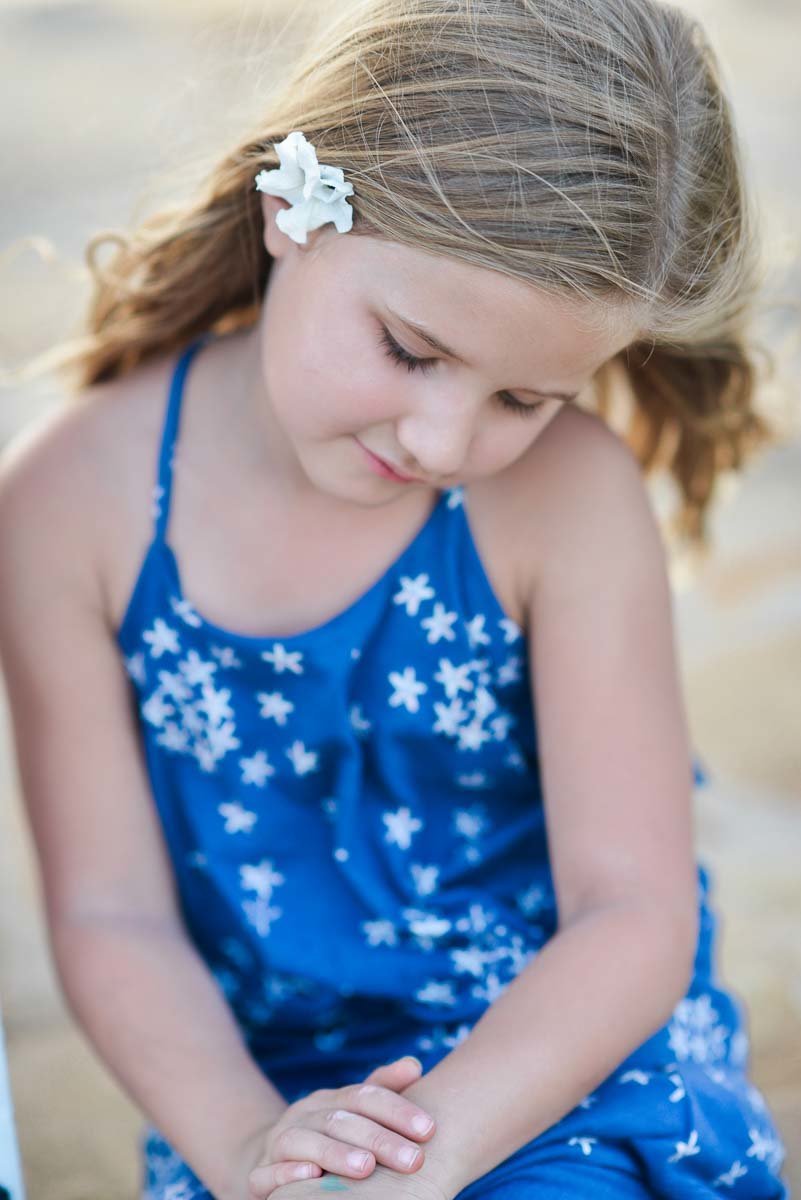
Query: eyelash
x,y
399,355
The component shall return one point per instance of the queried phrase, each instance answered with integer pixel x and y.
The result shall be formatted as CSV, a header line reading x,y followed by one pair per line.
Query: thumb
x,y
398,1074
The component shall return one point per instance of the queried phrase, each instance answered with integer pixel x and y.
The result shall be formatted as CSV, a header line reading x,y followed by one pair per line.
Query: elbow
x,y
677,939
667,939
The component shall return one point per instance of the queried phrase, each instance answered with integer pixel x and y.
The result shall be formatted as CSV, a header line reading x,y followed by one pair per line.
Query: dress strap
x,y
162,491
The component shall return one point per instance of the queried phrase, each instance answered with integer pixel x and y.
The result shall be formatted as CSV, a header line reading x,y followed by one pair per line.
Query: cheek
x,y
509,436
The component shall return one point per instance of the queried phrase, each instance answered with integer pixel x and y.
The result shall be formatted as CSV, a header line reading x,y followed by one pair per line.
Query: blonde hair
x,y
583,146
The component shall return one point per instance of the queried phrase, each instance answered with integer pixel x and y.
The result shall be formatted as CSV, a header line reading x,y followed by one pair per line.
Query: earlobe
x,y
276,243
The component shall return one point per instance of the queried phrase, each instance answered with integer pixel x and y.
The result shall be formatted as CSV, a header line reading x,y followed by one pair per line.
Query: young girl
x,y
338,637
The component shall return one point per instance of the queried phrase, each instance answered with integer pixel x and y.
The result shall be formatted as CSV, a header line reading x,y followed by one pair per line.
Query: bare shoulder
x,y
585,504
71,480
62,484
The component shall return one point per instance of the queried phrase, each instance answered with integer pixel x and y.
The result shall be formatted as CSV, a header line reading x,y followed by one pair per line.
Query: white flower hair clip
x,y
315,191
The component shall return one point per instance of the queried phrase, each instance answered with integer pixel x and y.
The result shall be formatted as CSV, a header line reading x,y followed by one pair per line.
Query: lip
x,y
382,467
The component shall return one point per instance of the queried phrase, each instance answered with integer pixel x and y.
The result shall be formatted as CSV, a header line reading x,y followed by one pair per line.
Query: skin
x,y
317,373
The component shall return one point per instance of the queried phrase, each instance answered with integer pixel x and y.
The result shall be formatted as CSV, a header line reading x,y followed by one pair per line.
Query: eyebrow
x,y
441,348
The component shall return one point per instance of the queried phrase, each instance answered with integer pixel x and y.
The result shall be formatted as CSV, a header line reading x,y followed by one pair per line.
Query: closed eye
x,y
413,363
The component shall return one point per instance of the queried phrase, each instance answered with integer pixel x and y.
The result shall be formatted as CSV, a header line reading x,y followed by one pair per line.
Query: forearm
x,y
155,1015
597,990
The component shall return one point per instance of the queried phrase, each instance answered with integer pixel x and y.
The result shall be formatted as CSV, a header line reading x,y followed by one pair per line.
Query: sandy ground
x,y
99,98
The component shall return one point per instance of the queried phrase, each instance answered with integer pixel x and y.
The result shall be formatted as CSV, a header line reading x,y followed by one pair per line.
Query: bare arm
x,y
131,977
617,786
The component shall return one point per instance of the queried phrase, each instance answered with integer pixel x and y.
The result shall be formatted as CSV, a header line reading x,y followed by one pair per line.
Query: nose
x,y
437,434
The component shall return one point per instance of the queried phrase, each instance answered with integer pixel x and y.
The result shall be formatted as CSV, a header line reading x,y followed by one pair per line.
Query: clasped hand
x,y
365,1135
383,1184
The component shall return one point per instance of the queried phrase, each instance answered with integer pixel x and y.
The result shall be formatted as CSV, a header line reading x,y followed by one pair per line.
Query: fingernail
x,y
407,1156
421,1124
358,1161
413,1058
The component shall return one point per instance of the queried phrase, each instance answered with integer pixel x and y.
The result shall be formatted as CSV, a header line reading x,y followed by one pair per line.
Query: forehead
x,y
486,316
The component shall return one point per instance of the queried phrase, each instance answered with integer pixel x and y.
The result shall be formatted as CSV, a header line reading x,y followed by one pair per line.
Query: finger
x,y
390,1149
303,1144
264,1179
398,1074
389,1109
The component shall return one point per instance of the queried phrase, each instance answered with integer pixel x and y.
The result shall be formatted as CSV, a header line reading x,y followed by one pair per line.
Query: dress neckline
x,y
185,610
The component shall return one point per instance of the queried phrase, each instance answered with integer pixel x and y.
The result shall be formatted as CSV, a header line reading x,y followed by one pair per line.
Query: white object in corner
x,y
10,1169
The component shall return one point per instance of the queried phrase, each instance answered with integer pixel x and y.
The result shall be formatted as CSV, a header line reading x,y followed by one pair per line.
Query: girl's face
x,y
341,376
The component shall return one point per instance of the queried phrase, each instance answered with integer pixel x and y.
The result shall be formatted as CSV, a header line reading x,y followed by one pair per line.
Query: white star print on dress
x,y
184,1189
476,633
162,639
511,630
274,704
453,678
425,878
155,710
173,737
470,822
765,1148
440,625
304,761
412,593
237,818
515,759
471,960
202,724
226,656
135,666
695,1034
183,609
531,900
256,769
730,1177
473,779
449,717
215,704
585,1144
173,684
686,1149
156,497
261,915
262,880
282,659
401,827
509,672
380,933
472,736
196,670
407,689
500,726
439,1037
359,724
738,1049
436,992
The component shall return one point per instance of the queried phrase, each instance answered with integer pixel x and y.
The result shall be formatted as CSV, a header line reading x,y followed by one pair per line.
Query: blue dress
x,y
355,823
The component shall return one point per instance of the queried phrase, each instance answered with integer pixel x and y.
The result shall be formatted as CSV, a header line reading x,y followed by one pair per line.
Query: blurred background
x,y
100,101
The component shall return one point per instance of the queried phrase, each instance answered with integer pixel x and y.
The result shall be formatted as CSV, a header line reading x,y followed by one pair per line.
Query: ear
x,y
276,243
279,244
